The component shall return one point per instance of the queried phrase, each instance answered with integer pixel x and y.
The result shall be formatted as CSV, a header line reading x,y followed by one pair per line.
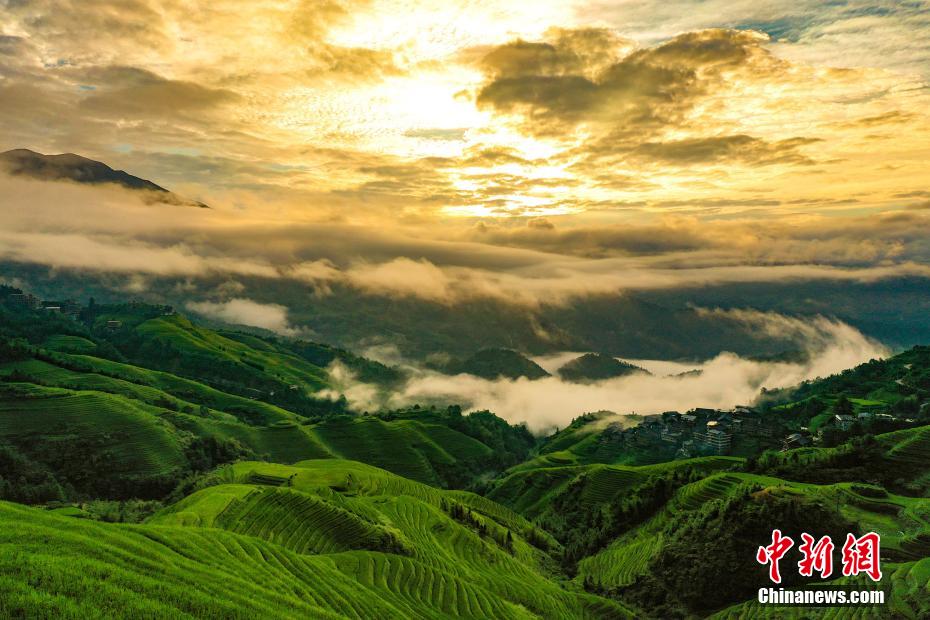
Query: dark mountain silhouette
x,y
597,367
495,363
71,167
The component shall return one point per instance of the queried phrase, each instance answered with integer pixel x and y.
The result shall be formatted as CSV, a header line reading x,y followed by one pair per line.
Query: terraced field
x,y
307,533
179,333
306,546
901,521
283,442
301,522
910,448
69,344
50,374
70,568
128,434
136,382
405,447
356,484
349,478
530,491
417,448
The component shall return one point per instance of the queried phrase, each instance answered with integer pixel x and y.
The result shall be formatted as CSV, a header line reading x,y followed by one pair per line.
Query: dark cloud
x,y
10,45
133,92
740,149
352,62
109,230
570,52
559,83
493,156
409,178
540,223
308,27
599,241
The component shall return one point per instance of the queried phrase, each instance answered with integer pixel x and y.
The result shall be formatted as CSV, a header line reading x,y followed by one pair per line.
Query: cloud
x,y
131,92
564,83
741,149
242,311
72,28
724,381
111,230
404,277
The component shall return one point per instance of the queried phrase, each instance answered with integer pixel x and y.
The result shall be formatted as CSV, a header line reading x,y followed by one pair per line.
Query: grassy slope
x,y
127,436
171,403
576,453
873,386
307,548
389,538
900,459
529,488
137,434
277,364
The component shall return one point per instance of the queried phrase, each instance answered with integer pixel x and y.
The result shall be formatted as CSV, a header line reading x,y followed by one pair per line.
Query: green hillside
x,y
103,444
155,438
169,426
333,539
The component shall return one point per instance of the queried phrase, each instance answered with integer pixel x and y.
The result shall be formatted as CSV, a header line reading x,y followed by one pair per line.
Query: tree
x,y
843,406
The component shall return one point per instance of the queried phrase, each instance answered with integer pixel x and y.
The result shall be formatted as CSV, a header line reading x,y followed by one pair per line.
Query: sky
x,y
529,152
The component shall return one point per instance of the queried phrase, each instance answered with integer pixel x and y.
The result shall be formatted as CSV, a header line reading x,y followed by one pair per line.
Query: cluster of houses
x,y
67,307
742,430
707,431
28,301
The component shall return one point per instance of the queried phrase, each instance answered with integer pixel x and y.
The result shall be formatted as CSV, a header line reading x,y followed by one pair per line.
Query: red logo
x,y
817,557
773,554
859,555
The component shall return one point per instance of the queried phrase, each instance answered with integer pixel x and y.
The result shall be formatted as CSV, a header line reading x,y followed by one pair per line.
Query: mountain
x,y
627,326
496,363
163,398
597,367
71,167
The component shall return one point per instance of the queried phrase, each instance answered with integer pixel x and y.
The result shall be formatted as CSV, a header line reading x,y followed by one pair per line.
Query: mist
x,y
110,230
724,381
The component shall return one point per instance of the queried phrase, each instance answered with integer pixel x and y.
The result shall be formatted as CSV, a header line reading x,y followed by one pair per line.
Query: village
x,y
740,431
27,301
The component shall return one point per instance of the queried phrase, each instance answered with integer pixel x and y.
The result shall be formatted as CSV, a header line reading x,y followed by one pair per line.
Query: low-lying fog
x,y
724,381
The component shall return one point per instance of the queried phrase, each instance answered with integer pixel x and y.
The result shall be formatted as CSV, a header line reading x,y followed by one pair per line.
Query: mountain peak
x,y
496,363
80,169
592,367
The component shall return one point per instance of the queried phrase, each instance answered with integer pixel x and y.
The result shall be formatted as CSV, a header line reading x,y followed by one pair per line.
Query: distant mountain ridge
x,y
72,167
496,363
597,367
